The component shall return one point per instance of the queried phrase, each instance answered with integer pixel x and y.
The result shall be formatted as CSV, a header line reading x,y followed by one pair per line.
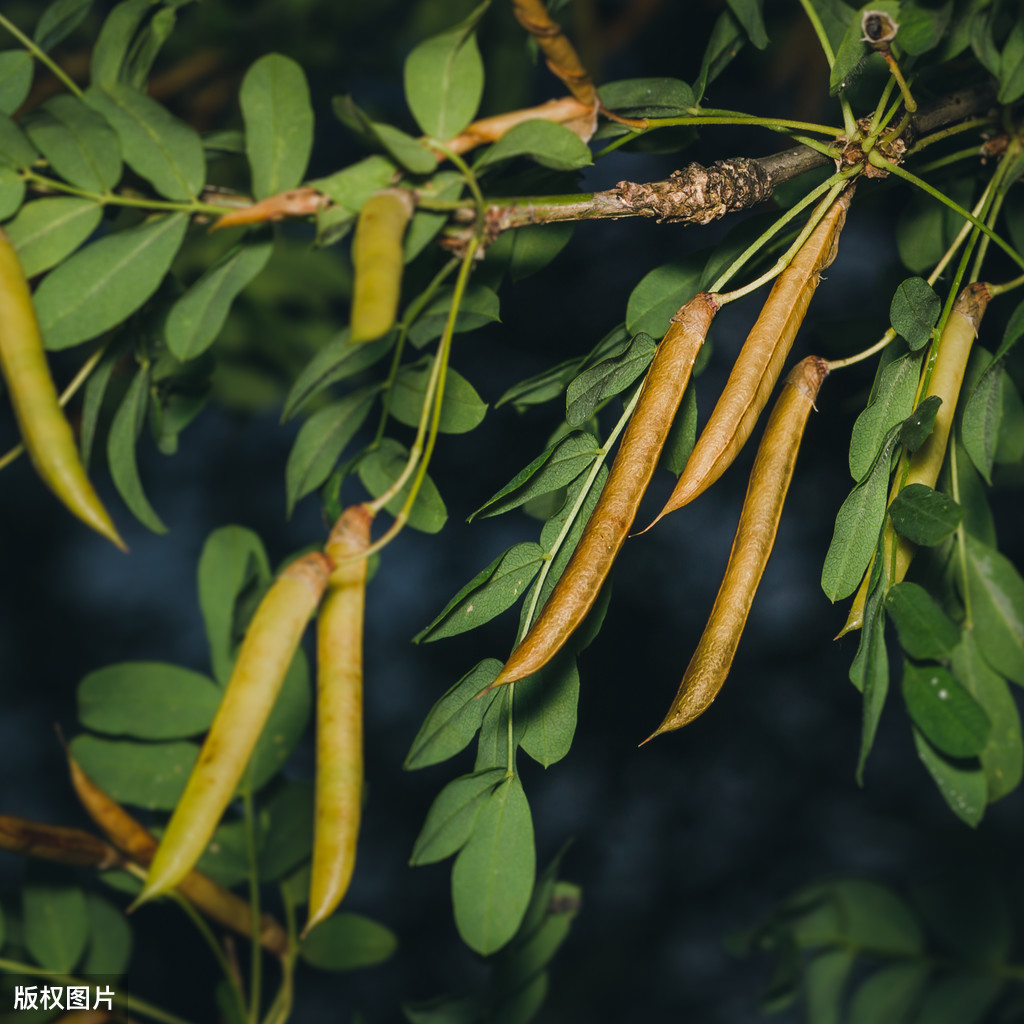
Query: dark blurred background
x,y
675,845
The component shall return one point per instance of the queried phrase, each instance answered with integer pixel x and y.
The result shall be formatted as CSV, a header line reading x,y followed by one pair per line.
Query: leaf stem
x,y
894,69
945,133
834,186
41,56
256,957
124,999
879,161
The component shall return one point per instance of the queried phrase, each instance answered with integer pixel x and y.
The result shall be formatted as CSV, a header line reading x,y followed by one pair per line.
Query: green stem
x,y
879,161
961,537
412,312
281,1007
832,186
191,206
41,56
1006,286
945,133
775,124
124,999
256,958
819,31
949,158
876,117
894,69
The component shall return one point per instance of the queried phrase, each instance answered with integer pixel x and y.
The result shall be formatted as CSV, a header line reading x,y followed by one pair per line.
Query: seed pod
x,y
339,717
760,361
603,536
44,429
131,837
377,259
270,644
751,547
57,843
924,465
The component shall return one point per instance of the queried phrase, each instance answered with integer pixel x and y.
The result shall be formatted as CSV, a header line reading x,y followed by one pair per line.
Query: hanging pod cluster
x,y
45,431
335,581
745,395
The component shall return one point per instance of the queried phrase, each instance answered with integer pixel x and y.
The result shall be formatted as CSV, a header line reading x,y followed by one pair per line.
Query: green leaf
x,y
121,456
825,980
916,428
15,79
462,410
968,911
888,995
1002,760
925,630
748,13
725,42
607,378
278,116
493,874
47,231
150,775
285,725
683,435
996,594
922,28
891,404
546,702
197,317
233,574
914,311
492,591
147,700
353,185
1011,66
287,830
444,1010
453,815
337,360
648,97
12,191
115,40
444,79
983,412
320,442
347,942
106,281
1013,333
962,788
411,153
110,938
92,403
944,711
865,915
479,306
535,246
382,467
549,144
226,857
157,145
870,673
959,999
541,387
81,147
858,523
923,515
146,45
454,720
15,149
551,470
55,926
660,293
58,21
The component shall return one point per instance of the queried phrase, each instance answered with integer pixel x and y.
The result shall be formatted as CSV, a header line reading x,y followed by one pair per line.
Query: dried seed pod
x,y
131,837
923,466
268,648
606,530
751,547
56,843
44,428
378,260
339,717
760,362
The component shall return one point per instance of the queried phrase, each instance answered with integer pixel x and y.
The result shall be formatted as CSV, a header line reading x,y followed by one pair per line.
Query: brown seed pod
x,y
56,843
751,547
606,530
131,837
760,362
